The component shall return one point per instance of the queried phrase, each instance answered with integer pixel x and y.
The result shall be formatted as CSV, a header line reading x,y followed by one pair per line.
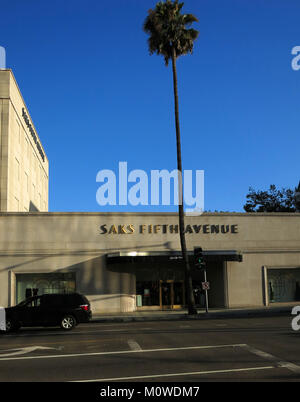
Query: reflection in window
x,y
283,285
28,285
148,293
34,302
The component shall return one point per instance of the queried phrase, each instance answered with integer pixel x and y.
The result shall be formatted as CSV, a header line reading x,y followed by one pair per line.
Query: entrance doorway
x,y
172,295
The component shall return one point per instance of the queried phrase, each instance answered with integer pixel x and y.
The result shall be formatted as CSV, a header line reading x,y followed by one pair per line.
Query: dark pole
x,y
188,278
206,293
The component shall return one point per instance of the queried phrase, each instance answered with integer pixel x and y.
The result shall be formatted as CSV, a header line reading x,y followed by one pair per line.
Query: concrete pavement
x,y
182,314
256,349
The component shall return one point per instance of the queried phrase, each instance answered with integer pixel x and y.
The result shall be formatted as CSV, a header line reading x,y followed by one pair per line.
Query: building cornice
x,y
158,214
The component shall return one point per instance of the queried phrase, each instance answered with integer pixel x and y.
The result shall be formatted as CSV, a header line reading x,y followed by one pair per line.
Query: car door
x,y
30,312
50,307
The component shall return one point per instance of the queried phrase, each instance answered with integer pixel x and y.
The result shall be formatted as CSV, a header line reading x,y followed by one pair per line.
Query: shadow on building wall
x,y
32,207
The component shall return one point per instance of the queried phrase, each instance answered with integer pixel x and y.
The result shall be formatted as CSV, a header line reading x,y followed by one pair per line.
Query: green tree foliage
x,y
273,200
167,29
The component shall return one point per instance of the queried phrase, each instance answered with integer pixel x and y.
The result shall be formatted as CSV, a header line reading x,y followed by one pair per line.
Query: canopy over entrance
x,y
164,256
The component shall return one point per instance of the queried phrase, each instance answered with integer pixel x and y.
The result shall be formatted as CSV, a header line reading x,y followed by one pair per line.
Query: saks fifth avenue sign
x,y
164,229
33,134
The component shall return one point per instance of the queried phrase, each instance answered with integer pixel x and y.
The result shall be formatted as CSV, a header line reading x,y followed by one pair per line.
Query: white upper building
x,y
24,166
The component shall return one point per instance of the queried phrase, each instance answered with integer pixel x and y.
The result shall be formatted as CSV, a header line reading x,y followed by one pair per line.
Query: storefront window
x,y
283,285
38,284
147,293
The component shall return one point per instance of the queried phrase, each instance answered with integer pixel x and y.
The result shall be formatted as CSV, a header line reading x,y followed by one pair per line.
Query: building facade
x,y
131,261
24,167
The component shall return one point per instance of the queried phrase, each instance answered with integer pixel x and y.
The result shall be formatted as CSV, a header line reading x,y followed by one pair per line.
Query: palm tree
x,y
169,37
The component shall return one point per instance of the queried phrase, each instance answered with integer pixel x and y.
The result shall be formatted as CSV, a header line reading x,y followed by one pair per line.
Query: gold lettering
x,y
130,228
188,229
122,229
142,229
234,228
173,228
206,228
156,228
163,228
215,229
113,230
224,228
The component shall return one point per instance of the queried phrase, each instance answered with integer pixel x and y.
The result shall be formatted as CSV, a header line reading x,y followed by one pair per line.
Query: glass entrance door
x,y
166,295
178,294
171,294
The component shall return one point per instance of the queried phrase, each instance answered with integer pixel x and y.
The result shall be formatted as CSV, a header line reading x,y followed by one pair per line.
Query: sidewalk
x,y
182,314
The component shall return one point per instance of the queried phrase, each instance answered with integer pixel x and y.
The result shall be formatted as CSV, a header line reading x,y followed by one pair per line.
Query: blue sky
x,y
97,97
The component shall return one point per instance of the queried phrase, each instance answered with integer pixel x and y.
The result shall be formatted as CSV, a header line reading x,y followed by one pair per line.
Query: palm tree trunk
x,y
188,279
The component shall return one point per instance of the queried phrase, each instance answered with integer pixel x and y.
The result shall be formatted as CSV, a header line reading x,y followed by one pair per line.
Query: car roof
x,y
61,294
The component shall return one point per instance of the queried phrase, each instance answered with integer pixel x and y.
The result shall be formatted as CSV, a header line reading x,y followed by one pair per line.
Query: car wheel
x,y
68,322
11,325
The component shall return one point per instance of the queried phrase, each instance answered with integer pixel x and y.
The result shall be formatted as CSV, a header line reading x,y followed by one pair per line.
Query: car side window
x,y
36,302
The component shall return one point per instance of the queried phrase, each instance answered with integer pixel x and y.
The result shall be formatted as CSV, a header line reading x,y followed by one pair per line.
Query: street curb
x,y
200,316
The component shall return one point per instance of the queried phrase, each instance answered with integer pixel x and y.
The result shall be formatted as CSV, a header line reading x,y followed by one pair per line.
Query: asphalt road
x,y
241,349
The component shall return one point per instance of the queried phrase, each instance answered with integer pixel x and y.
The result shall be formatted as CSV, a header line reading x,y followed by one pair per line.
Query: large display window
x,y
37,284
148,293
283,284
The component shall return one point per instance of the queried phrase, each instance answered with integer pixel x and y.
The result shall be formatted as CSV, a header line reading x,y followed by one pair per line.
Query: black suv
x,y
66,310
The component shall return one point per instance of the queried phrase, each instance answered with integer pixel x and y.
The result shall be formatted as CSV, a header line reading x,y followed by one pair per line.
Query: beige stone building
x,y
24,167
128,261
131,261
